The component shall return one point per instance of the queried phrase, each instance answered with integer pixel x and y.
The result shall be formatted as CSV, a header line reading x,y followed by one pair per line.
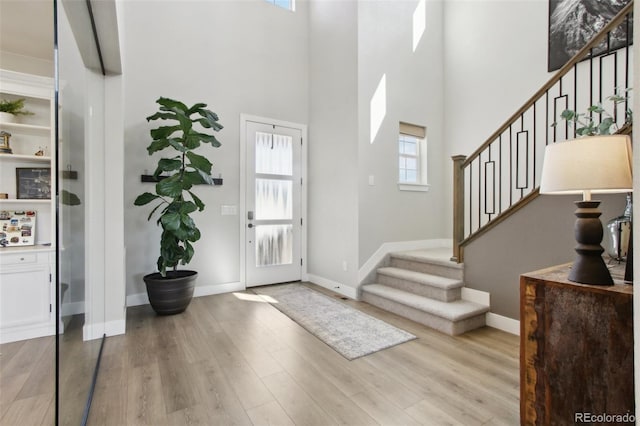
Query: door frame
x,y
244,118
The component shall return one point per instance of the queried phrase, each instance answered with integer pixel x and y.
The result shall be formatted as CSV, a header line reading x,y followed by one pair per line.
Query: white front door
x,y
273,213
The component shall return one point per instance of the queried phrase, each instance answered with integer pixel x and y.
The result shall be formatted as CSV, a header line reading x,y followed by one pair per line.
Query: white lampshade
x,y
599,164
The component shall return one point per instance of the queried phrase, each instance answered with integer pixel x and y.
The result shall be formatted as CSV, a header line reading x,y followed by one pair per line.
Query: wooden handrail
x,y
578,57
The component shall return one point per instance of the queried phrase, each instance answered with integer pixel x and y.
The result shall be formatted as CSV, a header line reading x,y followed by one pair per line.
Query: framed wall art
x,y
573,23
33,183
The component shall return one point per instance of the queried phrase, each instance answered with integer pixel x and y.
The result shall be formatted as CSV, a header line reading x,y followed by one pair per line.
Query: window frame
x,y
419,135
291,8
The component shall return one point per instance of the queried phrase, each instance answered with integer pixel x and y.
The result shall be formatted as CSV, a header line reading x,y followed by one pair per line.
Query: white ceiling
x,y
26,27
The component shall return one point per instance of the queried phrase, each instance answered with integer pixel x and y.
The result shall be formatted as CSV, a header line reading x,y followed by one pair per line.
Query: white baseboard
x,y
206,290
500,322
97,330
72,308
345,290
209,290
372,263
27,332
503,323
476,296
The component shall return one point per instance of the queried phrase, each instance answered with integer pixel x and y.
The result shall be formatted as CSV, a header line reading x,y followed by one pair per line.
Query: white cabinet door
x,y
25,296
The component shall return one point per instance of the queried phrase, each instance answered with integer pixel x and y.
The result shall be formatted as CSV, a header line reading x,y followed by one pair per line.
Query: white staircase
x,y
425,286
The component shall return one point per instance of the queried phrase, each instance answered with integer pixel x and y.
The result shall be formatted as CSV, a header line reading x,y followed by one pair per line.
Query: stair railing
x,y
503,174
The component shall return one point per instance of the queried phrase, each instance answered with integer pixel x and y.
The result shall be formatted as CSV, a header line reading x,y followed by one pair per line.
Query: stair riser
x,y
420,289
427,268
441,324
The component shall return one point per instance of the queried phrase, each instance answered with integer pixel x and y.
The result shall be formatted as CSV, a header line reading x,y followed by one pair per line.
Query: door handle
x,y
250,225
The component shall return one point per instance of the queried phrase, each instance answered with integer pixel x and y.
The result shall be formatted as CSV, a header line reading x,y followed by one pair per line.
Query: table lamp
x,y
590,165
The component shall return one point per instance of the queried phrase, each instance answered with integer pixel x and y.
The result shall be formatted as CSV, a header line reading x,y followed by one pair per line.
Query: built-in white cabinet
x,y
27,256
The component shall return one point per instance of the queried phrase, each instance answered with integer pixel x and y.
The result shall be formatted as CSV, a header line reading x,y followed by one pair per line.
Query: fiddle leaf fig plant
x,y
587,125
175,199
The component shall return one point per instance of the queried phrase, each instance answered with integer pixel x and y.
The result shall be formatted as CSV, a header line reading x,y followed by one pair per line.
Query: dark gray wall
x,y
538,236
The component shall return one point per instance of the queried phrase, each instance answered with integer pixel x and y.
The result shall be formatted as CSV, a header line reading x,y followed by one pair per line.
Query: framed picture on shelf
x,y
17,228
33,183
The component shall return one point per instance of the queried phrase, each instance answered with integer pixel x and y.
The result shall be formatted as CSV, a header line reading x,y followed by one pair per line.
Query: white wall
x,y
333,141
236,56
496,58
414,94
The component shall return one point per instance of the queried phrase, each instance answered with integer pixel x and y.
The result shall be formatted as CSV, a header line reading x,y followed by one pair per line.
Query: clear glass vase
x,y
619,232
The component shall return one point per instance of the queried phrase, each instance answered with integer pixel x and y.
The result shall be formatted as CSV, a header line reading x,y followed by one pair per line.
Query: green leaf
x,y
605,126
196,108
167,165
170,221
187,207
170,187
197,201
215,142
162,116
185,121
187,221
145,198
596,108
177,145
192,140
170,104
199,162
70,199
153,211
568,114
163,132
157,145
188,253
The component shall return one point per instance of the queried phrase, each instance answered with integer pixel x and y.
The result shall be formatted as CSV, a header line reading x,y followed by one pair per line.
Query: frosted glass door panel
x,y
273,199
274,245
274,154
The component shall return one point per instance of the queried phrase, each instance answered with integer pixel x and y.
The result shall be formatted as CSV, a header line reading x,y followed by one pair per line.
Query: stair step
x,y
420,283
427,261
448,317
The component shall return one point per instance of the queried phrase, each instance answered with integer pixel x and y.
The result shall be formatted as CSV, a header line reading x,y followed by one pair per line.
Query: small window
x,y
412,158
285,4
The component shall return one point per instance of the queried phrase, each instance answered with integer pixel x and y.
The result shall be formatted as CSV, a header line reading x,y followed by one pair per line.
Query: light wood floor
x,y
232,359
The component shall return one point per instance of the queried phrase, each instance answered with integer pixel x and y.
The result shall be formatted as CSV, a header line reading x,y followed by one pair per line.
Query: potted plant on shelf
x,y
170,290
10,109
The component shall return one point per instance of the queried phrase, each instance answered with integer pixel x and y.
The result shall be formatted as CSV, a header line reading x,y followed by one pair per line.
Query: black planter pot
x,y
171,294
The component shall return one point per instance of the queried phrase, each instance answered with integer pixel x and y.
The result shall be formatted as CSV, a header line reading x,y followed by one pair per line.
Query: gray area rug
x,y
349,332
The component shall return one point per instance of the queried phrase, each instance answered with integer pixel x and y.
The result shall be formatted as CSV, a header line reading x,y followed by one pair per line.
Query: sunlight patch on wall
x,y
419,23
378,107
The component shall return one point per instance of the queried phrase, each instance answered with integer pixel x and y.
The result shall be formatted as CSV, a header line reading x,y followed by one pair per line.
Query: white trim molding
x,y
476,296
499,322
335,286
503,323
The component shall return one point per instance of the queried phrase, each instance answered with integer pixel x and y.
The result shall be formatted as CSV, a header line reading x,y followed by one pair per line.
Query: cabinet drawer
x,y
18,258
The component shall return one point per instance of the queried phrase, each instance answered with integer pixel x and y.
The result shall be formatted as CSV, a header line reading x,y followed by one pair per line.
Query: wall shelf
x,y
24,201
25,158
151,178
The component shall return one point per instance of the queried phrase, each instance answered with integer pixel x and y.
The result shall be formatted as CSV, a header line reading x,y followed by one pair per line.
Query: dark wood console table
x,y
576,348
